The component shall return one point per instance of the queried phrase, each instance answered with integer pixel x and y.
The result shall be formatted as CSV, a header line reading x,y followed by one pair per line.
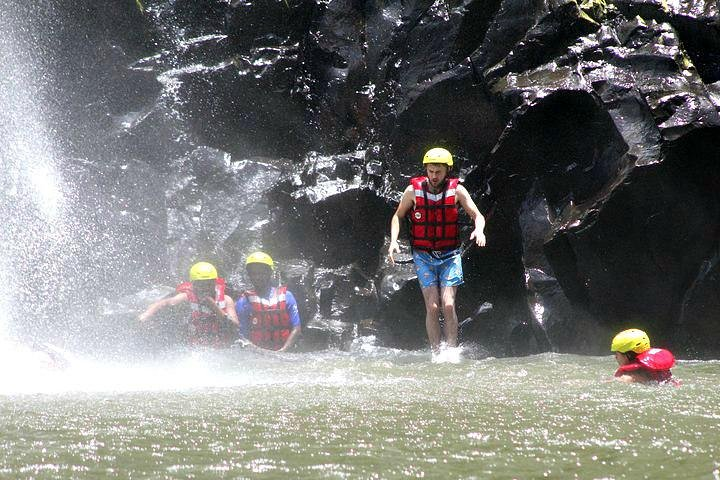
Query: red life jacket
x,y
434,219
269,319
205,328
655,363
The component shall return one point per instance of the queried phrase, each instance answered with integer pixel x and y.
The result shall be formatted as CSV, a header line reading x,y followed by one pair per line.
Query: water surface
x,y
369,413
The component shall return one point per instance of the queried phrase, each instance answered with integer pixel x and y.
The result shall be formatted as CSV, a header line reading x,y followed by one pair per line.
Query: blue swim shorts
x,y
444,270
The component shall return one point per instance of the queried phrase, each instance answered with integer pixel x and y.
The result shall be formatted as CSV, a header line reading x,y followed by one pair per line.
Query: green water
x,y
368,414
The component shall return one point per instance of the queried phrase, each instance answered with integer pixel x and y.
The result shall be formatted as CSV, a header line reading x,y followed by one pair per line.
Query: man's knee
x,y
433,309
449,309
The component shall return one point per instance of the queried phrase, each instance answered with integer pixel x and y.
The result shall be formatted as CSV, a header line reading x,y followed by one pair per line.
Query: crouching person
x,y
213,321
268,315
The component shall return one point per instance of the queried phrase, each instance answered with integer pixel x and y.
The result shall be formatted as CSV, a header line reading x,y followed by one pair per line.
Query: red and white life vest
x,y
434,219
655,363
205,328
269,319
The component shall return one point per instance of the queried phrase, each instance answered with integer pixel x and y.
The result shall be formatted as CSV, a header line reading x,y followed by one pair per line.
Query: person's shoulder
x,y
461,194
242,300
625,378
289,297
408,195
636,376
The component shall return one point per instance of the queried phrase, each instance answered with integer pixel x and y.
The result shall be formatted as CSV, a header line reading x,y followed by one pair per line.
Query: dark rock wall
x,y
586,132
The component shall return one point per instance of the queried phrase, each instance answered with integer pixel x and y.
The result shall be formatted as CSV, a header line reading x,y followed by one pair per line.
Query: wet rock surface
x,y
588,134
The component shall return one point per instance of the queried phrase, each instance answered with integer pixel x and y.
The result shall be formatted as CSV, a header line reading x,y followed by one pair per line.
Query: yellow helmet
x,y
259,257
203,271
632,340
438,155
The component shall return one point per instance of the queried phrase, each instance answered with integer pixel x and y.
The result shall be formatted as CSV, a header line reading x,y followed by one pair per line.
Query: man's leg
x,y
450,316
432,315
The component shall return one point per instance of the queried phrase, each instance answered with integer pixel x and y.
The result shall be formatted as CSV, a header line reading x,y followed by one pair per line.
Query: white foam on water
x,y
448,355
51,370
48,369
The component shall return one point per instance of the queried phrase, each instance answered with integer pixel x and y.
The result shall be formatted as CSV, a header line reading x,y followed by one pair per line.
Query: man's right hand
x,y
243,342
394,247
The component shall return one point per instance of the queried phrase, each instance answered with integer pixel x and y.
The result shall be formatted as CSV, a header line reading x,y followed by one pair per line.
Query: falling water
x,y
33,231
70,225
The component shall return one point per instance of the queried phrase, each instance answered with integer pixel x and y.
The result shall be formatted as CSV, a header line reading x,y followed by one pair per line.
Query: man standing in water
x,y
431,202
268,316
213,321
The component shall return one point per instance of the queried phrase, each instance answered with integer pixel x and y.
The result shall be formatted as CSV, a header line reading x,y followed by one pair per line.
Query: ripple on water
x,y
375,413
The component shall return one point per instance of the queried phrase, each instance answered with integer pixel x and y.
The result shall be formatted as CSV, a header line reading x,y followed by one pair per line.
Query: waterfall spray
x,y
33,229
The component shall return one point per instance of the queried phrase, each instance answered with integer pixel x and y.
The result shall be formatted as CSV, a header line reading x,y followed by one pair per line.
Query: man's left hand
x,y
479,238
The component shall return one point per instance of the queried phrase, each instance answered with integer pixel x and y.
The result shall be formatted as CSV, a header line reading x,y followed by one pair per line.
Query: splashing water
x,y
448,355
33,229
